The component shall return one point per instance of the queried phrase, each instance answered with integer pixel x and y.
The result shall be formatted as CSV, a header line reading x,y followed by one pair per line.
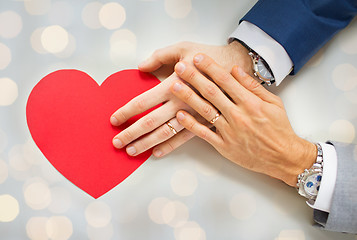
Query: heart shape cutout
x,y
68,118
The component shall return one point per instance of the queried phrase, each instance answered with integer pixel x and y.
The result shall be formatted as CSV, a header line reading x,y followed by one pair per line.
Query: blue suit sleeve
x,y
302,27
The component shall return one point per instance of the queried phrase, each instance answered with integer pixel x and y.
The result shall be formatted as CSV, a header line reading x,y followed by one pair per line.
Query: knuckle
x,y
223,77
127,136
235,113
120,115
148,123
207,110
211,90
203,134
188,96
191,75
207,63
142,146
139,104
279,101
170,146
166,133
253,84
187,136
157,53
191,125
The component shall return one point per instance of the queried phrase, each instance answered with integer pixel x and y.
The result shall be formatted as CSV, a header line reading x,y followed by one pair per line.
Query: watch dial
x,y
312,184
263,71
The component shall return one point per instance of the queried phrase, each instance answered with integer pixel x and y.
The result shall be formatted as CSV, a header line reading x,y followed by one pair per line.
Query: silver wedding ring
x,y
215,118
172,129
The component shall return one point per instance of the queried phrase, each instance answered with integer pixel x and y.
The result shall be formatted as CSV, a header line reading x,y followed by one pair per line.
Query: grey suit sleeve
x,y
343,211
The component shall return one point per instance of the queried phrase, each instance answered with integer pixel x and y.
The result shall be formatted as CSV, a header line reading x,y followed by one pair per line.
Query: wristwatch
x,y
309,181
261,69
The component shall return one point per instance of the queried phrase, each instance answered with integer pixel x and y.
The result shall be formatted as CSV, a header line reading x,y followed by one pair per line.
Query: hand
x,y
252,127
153,126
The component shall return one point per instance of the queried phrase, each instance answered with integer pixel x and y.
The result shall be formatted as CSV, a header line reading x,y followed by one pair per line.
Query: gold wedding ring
x,y
172,129
215,118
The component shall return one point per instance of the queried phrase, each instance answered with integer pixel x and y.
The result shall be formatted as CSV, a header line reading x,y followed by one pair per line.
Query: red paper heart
x,y
68,117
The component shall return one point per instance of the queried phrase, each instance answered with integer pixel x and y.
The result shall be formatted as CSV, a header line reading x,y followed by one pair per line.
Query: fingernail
x,y
157,153
117,143
114,121
131,150
180,68
241,72
198,58
177,87
180,116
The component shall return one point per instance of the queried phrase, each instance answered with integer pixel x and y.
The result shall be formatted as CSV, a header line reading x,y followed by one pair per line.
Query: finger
x,y
167,55
220,76
140,104
176,141
207,88
254,86
145,125
200,130
204,108
159,135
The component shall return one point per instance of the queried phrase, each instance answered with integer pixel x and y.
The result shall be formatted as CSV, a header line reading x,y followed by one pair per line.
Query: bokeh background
x,y
192,194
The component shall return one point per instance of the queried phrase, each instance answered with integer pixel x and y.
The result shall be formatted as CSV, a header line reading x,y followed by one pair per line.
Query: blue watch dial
x,y
312,184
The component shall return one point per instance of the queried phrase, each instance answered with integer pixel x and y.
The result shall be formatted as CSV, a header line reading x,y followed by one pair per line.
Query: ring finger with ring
x,y
159,135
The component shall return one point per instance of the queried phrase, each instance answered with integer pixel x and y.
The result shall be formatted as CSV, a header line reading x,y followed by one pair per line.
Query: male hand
x,y
252,127
151,130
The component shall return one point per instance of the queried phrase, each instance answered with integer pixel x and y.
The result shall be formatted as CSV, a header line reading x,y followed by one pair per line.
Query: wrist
x,y
302,155
240,56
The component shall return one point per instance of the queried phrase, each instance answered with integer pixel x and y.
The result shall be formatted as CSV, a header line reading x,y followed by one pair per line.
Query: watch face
x,y
263,71
312,184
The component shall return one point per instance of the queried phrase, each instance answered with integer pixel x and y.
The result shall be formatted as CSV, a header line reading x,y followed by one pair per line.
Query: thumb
x,y
254,86
168,55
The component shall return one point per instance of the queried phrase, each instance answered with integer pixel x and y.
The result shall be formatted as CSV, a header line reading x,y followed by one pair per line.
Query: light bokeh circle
x,y
175,214
54,39
90,15
190,230
178,8
9,208
36,228
294,234
8,91
98,214
59,228
10,24
112,15
155,209
344,76
37,7
342,130
37,194
35,40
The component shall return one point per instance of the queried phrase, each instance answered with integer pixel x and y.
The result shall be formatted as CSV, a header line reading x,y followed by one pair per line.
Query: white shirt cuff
x,y
269,49
329,174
